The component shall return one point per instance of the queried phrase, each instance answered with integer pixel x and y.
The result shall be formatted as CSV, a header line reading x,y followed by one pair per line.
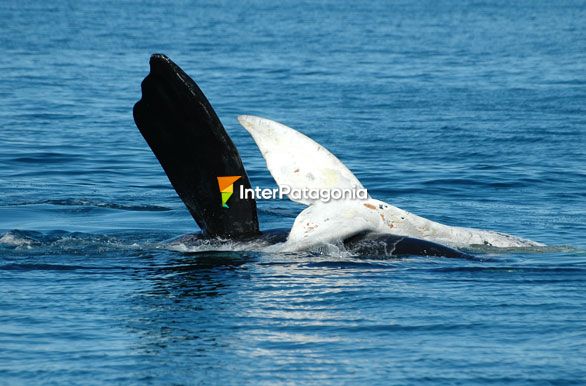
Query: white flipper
x,y
296,160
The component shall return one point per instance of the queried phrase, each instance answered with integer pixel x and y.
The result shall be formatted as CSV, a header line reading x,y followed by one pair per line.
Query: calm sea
x,y
470,113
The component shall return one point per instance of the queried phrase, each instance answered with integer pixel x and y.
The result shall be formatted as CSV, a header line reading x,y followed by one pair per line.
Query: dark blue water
x,y
470,113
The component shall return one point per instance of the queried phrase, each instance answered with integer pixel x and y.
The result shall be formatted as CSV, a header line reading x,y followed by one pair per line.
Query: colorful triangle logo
x,y
226,184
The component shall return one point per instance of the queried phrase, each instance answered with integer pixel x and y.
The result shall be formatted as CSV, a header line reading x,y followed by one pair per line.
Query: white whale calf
x,y
297,161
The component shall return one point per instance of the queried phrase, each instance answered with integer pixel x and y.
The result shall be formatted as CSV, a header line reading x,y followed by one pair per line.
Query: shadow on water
x,y
196,274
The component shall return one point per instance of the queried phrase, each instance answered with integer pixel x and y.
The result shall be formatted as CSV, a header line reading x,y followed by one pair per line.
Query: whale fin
x,y
296,160
188,139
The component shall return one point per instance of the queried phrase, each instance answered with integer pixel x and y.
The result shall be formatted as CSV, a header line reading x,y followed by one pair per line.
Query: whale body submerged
x,y
191,144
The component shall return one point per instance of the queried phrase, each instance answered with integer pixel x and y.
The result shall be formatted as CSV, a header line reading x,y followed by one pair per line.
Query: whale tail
x,y
188,139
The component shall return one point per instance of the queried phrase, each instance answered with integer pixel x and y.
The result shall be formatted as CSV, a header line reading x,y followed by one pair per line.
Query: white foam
x,y
15,240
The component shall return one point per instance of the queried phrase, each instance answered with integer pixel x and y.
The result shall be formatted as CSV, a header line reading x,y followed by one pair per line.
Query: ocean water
x,y
470,113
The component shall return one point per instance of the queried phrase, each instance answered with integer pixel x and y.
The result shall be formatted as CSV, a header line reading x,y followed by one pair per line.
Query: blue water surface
x,y
470,113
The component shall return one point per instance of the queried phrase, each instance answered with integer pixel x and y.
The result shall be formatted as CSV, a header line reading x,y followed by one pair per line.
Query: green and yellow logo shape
x,y
226,184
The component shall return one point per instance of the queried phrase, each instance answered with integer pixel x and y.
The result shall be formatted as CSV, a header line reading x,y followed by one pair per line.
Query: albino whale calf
x,y
297,161
191,144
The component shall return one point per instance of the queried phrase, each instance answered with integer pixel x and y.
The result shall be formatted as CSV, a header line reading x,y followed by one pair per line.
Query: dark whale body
x,y
363,244
185,134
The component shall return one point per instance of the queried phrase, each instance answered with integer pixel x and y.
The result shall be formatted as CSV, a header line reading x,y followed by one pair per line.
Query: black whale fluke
x,y
188,139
